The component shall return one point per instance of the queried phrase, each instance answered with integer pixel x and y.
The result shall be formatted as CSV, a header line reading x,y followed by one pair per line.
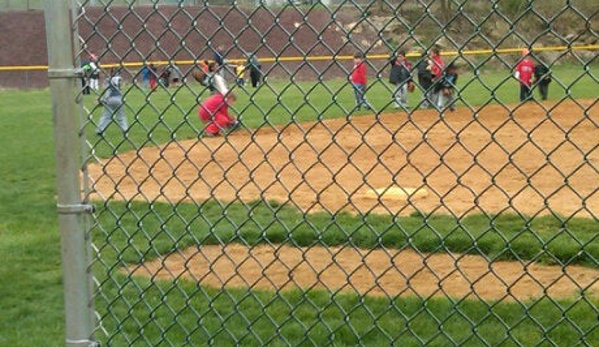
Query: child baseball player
x,y
215,113
112,100
445,88
542,79
216,81
240,75
211,79
524,72
437,68
359,80
401,77
425,79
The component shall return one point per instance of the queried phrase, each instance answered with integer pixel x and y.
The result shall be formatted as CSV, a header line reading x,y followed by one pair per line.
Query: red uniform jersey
x,y
358,75
525,70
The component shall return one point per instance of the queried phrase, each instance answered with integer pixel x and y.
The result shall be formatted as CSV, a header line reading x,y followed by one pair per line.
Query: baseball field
x,y
414,221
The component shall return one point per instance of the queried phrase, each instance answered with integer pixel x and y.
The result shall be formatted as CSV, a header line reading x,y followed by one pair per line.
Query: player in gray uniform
x,y
112,100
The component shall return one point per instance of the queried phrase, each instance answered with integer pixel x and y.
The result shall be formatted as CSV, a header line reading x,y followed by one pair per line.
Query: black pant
x,y
427,91
255,76
85,85
543,90
525,92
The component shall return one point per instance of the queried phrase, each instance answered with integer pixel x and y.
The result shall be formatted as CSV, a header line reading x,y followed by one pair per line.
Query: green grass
x,y
239,317
167,228
30,278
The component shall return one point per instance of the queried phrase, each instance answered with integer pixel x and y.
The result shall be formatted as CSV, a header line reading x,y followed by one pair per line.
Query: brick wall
x,y
120,35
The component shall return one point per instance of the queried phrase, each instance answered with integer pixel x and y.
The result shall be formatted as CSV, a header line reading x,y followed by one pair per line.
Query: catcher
x,y
445,87
214,111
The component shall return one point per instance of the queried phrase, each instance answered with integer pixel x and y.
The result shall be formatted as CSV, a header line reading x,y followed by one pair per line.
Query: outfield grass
x,y
237,317
30,278
168,228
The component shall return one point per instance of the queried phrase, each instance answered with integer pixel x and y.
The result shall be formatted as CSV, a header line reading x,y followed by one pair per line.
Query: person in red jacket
x,y
153,76
437,63
215,113
524,72
437,68
359,80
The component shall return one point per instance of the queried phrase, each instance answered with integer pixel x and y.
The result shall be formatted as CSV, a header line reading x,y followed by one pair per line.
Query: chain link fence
x,y
322,205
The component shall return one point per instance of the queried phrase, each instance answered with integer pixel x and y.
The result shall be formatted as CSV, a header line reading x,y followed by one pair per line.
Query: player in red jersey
x,y
436,67
524,72
359,80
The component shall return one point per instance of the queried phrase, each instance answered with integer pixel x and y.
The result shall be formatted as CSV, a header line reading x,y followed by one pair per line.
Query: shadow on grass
x,y
136,232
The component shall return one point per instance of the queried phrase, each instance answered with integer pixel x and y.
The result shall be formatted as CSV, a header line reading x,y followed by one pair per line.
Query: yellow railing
x,y
332,57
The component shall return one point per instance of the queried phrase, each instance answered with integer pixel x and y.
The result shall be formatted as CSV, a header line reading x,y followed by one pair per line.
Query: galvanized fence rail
x,y
318,188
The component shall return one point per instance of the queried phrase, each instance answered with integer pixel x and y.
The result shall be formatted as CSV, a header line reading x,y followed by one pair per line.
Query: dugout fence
x,y
430,218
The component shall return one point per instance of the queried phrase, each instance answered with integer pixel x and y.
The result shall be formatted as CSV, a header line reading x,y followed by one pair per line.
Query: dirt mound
x,y
370,272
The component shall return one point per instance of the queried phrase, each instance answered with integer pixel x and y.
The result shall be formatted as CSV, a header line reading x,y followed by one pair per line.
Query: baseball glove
x,y
198,75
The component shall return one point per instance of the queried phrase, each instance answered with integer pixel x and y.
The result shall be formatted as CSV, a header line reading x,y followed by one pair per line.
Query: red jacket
x,y
525,70
438,67
358,75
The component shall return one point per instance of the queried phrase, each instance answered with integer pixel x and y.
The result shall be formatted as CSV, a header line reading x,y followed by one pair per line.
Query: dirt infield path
x,y
370,272
492,163
489,162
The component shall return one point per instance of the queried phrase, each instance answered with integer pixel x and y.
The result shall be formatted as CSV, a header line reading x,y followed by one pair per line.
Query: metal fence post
x,y
72,212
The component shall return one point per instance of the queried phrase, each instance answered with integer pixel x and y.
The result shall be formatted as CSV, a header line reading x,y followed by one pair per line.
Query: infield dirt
x,y
530,161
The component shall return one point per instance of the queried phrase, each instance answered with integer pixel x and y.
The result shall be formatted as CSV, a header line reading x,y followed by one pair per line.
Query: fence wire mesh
x,y
324,207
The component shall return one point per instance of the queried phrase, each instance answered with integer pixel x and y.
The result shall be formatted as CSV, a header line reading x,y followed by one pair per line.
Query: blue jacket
x,y
400,71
